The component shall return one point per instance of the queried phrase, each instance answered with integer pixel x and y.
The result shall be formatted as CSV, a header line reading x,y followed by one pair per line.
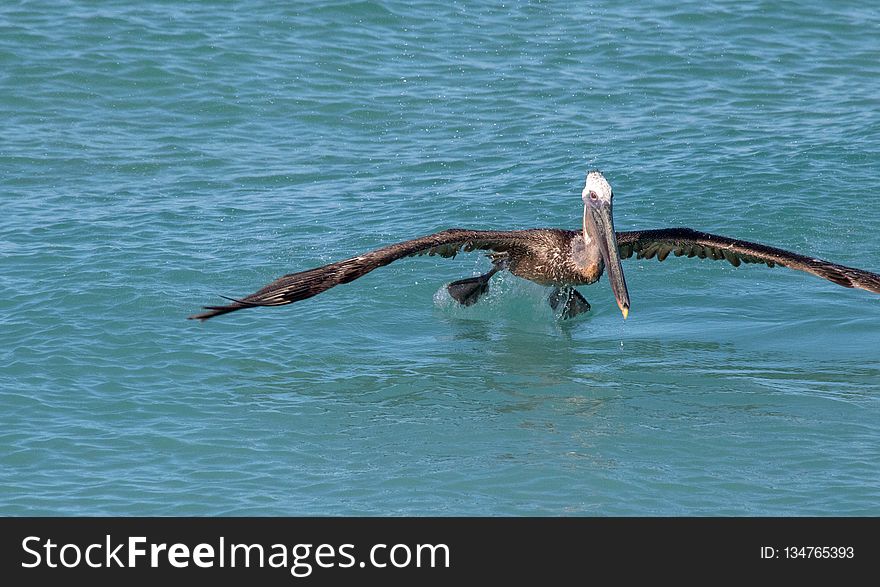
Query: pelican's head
x,y
599,227
597,188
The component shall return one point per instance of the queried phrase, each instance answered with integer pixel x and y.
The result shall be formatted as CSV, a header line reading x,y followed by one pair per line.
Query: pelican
x,y
561,259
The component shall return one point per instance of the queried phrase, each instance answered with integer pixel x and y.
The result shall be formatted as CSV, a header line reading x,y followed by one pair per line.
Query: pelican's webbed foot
x,y
572,302
468,291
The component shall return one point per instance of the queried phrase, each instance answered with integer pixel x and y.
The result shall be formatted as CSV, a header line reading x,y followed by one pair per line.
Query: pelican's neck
x,y
585,235
585,254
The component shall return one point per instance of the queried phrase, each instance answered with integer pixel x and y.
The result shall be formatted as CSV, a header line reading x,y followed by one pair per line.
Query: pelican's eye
x,y
593,196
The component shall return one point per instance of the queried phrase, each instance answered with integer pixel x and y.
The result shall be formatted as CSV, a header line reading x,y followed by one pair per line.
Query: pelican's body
x,y
562,259
554,257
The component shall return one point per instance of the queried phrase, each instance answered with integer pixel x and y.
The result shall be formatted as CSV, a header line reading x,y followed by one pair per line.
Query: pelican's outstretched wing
x,y
647,244
299,286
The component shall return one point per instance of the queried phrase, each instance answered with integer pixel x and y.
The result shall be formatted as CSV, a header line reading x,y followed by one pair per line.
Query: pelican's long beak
x,y
599,225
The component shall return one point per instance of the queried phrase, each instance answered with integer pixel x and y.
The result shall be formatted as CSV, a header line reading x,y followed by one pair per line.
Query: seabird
x,y
561,259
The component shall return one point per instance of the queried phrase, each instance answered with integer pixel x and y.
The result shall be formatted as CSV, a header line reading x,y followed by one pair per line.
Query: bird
x,y
558,258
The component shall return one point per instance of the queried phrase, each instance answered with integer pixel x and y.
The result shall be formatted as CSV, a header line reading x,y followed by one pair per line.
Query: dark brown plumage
x,y
305,284
545,256
647,244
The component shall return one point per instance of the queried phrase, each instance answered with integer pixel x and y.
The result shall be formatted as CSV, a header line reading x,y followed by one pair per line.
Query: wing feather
x,y
305,284
647,244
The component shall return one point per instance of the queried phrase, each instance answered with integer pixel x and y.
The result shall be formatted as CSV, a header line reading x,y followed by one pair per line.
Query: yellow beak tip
x,y
625,312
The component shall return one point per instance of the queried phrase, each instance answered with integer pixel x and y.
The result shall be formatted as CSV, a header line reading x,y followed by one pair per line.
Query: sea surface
x,y
157,155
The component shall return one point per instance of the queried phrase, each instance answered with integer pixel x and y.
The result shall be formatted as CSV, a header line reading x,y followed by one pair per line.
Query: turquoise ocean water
x,y
155,155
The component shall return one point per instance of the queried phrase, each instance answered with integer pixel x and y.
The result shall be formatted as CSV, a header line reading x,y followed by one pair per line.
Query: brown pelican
x,y
554,257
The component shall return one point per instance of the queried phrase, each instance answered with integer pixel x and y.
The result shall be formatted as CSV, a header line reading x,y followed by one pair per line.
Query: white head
x,y
597,188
